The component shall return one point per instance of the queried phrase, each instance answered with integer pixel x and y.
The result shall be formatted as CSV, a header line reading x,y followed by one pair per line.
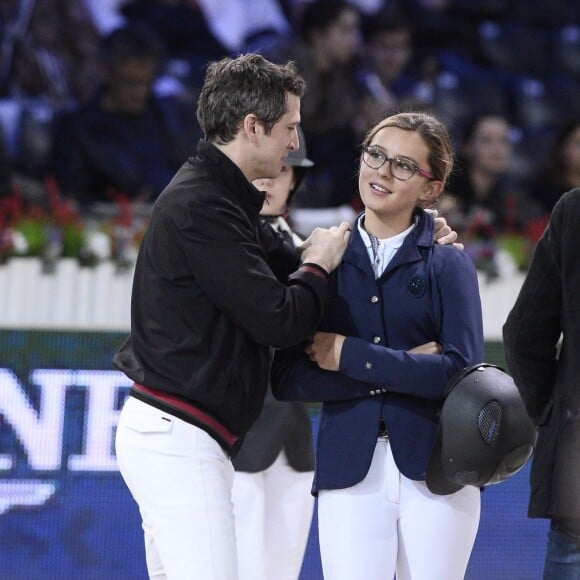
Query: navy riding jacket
x,y
428,292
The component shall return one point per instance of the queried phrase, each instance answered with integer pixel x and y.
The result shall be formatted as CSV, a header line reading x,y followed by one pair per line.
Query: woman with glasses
x,y
404,316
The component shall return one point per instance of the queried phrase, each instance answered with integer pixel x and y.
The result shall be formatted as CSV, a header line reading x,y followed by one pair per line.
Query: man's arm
x,y
533,327
221,251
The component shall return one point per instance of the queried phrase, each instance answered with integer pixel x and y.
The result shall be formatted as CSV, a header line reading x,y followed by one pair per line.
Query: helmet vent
x,y
489,422
466,477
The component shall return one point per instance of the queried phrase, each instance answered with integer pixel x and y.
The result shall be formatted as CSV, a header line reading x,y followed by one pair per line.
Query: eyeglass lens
x,y
400,168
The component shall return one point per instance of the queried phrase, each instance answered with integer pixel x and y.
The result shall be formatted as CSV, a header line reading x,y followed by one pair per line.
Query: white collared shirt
x,y
381,251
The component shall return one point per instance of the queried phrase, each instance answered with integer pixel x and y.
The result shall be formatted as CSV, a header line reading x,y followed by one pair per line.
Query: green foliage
x,y
34,232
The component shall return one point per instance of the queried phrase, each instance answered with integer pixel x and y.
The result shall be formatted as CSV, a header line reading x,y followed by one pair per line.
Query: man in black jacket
x,y
547,375
206,307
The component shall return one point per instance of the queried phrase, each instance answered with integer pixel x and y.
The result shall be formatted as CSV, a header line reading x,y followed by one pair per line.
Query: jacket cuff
x,y
314,269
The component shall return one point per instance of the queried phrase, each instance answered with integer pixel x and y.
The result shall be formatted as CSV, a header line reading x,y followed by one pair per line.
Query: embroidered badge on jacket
x,y
416,285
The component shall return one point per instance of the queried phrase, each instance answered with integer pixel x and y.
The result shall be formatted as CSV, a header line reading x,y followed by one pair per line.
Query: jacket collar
x,y
420,238
231,175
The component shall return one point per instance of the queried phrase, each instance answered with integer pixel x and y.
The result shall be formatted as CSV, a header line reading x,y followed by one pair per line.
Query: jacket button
x,y
376,339
374,299
368,366
372,392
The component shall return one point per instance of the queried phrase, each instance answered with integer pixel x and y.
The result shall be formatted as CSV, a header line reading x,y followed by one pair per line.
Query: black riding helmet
x,y
485,434
299,161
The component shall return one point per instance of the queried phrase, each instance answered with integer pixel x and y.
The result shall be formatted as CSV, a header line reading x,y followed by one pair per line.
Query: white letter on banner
x,y
100,419
40,432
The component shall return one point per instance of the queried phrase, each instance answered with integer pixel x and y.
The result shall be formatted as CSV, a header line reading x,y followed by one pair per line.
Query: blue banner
x,y
65,512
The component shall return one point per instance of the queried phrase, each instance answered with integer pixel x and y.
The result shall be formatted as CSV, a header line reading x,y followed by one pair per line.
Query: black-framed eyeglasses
x,y
401,168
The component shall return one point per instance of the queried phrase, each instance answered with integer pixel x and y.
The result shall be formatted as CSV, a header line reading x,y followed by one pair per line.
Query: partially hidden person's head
x,y
332,29
487,144
132,56
564,157
405,162
251,106
280,190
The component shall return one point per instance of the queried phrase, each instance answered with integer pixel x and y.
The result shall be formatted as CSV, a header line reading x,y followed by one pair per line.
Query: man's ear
x,y
252,127
431,192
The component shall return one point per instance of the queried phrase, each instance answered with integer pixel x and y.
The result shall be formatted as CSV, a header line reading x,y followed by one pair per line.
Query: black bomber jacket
x,y
206,305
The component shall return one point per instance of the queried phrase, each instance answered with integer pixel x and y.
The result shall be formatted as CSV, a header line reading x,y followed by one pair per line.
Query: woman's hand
x,y
325,350
326,347
427,348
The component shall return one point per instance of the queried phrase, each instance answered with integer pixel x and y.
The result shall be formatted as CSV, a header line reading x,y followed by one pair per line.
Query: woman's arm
x,y
461,340
350,367
295,378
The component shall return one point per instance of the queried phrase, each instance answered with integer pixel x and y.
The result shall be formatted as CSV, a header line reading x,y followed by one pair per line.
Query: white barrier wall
x,y
98,298
71,297
498,297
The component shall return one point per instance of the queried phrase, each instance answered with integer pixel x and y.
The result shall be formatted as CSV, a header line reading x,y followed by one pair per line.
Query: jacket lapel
x,y
421,237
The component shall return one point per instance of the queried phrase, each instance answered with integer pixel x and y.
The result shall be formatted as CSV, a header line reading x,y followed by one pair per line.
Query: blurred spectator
x,y
434,26
127,140
326,55
388,50
365,7
195,32
482,188
183,29
242,29
48,63
561,172
49,51
484,201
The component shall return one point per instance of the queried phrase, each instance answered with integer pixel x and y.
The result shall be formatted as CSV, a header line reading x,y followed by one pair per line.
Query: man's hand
x,y
427,348
325,350
325,247
443,232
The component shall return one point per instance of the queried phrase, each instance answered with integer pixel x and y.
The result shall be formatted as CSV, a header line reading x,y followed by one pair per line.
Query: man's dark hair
x,y
234,88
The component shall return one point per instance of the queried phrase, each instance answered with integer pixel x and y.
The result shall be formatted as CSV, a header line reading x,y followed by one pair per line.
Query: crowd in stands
x,y
97,100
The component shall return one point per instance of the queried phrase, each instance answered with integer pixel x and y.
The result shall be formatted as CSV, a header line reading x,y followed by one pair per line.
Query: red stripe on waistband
x,y
189,409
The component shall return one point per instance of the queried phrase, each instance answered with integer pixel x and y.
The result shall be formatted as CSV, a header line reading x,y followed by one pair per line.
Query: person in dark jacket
x,y
542,342
127,140
275,464
206,308
402,318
